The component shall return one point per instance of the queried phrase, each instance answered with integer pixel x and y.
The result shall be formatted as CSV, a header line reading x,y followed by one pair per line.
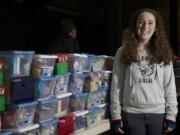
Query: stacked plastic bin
x,y
65,125
42,69
19,114
97,84
61,90
79,65
89,83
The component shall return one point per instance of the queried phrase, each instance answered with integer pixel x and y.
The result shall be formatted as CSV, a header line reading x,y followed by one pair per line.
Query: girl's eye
x,y
141,22
150,23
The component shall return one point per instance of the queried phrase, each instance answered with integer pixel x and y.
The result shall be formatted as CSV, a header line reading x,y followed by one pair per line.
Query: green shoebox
x,y
61,68
2,103
1,78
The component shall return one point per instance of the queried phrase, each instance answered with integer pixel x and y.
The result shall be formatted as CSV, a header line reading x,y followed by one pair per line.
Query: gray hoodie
x,y
143,88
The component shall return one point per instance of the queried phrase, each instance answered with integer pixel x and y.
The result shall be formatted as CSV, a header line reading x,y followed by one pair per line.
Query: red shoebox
x,y
66,125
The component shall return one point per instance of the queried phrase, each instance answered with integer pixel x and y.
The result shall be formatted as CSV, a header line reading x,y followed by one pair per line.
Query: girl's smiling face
x,y
145,26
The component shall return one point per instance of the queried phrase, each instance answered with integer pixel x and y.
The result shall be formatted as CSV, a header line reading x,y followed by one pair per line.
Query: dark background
x,y
34,24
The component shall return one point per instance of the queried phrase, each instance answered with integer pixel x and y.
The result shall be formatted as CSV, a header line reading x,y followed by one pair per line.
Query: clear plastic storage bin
x,y
45,87
104,111
45,110
106,79
30,130
79,62
43,65
94,116
17,63
48,127
93,81
76,83
63,104
62,84
92,99
80,121
19,115
98,63
77,102
104,95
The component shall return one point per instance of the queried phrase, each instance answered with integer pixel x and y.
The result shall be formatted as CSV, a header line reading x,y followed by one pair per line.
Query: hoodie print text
x,y
144,70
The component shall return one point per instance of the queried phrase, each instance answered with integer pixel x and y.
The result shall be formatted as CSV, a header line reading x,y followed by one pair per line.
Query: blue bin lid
x,y
78,74
103,89
45,101
46,78
5,133
23,104
63,74
94,110
79,94
49,122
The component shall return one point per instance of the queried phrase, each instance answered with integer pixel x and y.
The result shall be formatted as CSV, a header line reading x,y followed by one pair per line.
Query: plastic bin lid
x,y
45,56
23,104
60,75
80,113
17,52
110,57
94,110
103,89
5,133
107,71
46,78
102,105
78,74
45,101
49,122
64,95
88,54
77,54
80,94
101,56
25,129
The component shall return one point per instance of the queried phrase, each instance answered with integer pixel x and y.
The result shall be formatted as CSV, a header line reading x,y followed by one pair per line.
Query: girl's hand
x,y
120,131
169,126
167,130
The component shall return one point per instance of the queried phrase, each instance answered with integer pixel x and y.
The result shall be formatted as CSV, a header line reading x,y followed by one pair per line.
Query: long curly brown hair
x,y
158,48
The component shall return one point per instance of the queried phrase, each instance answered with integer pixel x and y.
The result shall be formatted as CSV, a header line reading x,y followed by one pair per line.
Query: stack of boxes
x,y
97,83
89,83
19,93
42,69
44,92
66,125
